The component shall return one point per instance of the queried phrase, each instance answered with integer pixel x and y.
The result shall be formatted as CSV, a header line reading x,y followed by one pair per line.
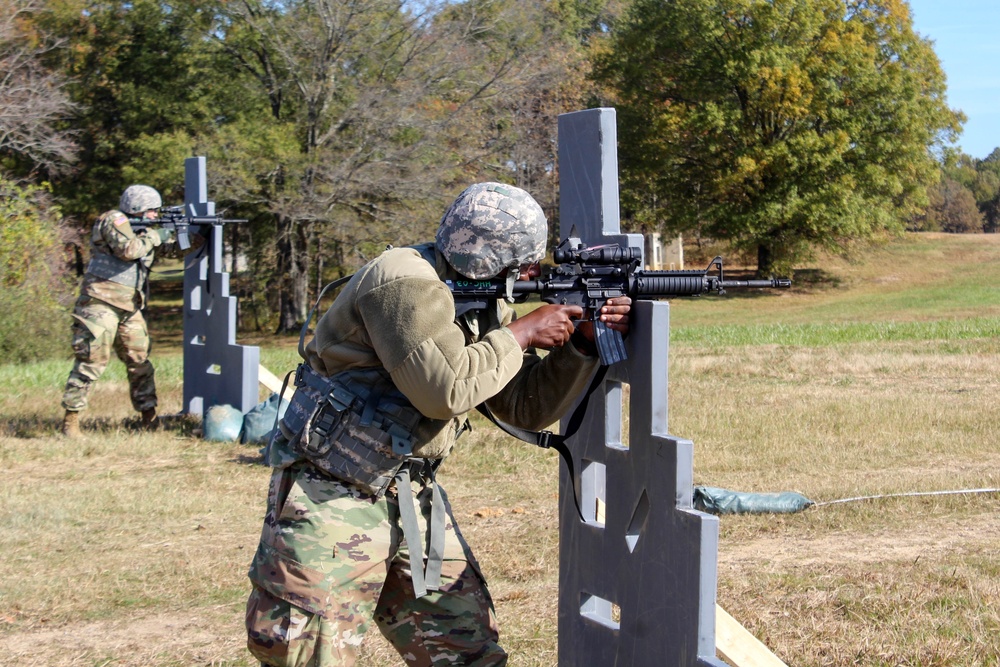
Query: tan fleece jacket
x,y
397,313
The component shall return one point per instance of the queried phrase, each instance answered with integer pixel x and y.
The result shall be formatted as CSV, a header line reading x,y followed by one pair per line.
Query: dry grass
x,y
131,549
897,581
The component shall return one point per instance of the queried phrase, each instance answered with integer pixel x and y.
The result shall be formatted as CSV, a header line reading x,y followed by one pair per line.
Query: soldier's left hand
x,y
613,314
166,235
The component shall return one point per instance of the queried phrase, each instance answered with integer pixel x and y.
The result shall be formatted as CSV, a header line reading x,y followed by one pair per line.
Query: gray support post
x,y
217,371
637,578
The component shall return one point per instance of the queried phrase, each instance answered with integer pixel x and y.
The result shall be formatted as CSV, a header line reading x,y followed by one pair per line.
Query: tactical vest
x,y
356,426
131,273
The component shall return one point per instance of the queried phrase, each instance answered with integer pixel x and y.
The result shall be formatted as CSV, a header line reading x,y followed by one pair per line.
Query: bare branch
x,y
33,100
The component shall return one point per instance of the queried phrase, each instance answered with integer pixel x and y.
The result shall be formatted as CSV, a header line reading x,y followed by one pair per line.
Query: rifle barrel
x,y
649,284
774,283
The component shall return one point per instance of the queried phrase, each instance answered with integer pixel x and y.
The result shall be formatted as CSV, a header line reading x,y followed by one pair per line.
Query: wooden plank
x,y
273,382
737,645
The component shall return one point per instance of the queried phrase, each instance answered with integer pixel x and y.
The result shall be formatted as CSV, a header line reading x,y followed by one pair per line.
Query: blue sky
x,y
966,36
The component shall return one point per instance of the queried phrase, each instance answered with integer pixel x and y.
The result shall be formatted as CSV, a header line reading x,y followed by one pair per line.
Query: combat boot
x,y
71,425
150,422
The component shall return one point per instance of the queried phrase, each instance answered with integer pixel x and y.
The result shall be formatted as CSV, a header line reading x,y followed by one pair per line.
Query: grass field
x,y
878,377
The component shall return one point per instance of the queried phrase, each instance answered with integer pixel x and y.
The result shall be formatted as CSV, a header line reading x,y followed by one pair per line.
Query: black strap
x,y
277,415
305,325
556,441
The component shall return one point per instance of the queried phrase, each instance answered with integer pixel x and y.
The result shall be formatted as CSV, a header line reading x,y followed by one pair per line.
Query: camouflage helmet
x,y
491,227
138,199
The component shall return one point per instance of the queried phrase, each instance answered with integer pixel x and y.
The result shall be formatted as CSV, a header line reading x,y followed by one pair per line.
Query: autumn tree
x,y
780,125
136,70
378,112
952,208
33,99
964,179
33,146
987,190
519,124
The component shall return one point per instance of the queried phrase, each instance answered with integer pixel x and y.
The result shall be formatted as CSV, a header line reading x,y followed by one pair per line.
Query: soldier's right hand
x,y
546,327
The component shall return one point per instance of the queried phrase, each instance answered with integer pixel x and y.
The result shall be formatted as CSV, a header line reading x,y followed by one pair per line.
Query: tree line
x,y
337,126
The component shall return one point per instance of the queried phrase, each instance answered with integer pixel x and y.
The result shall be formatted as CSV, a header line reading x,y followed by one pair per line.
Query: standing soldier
x,y
108,313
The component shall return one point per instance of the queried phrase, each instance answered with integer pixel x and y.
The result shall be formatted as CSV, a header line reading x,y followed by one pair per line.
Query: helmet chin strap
x,y
512,275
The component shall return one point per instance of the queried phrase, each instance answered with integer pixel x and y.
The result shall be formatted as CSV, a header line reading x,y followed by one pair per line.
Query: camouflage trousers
x,y
332,559
99,328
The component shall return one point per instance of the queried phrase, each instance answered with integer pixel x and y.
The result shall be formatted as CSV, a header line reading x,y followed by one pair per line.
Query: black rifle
x,y
588,277
175,219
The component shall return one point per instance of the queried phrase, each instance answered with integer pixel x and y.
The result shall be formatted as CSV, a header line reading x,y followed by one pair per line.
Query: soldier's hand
x,y
166,235
153,235
548,326
613,314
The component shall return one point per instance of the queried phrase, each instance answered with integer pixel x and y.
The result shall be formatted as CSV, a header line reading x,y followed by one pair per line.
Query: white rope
x,y
907,495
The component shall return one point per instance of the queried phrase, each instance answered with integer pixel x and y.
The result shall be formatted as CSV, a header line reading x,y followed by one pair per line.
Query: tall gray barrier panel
x,y
217,371
637,577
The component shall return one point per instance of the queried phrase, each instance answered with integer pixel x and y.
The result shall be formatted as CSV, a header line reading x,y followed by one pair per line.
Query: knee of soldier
x,y
84,347
78,381
139,368
283,635
455,625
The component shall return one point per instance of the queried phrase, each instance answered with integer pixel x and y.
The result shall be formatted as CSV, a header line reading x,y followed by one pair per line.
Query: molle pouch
x,y
95,329
355,426
340,445
300,410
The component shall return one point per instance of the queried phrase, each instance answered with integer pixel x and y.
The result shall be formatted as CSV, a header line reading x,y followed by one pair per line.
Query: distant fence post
x,y
217,371
637,578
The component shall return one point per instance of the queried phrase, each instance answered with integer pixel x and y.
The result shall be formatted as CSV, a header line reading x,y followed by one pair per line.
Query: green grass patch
x,y
814,335
48,373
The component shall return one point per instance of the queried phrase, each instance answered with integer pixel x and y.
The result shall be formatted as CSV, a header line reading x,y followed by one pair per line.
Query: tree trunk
x,y
765,261
293,265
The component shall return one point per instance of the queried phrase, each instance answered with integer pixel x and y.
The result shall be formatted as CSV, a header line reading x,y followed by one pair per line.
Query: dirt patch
x,y
200,637
923,539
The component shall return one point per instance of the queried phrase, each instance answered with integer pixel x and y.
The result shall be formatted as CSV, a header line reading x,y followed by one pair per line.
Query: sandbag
x,y
722,501
222,423
259,422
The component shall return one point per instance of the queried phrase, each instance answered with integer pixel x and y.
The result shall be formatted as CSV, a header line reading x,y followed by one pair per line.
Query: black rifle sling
x,y
305,325
556,441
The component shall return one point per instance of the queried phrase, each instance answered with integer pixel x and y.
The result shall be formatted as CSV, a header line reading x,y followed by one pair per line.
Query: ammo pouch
x,y
355,426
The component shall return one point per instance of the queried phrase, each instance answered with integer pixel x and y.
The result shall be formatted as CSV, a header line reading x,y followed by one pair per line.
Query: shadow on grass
x,y
28,427
815,279
249,460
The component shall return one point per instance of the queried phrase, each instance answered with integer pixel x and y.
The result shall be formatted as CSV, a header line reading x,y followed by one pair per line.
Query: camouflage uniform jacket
x,y
398,314
112,237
